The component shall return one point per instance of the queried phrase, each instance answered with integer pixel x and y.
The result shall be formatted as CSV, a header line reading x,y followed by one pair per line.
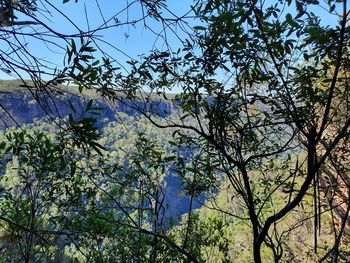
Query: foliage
x,y
268,112
263,106
61,203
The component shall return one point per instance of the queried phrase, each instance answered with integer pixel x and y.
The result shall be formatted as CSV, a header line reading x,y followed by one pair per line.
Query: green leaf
x,y
74,47
89,105
291,21
199,28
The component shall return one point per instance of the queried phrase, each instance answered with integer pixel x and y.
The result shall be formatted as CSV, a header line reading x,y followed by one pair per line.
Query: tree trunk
x,y
256,251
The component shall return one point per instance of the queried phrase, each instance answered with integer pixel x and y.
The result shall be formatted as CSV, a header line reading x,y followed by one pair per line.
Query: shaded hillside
x,y
18,105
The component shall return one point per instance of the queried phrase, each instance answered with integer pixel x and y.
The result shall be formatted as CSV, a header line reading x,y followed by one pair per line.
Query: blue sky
x,y
129,39
132,40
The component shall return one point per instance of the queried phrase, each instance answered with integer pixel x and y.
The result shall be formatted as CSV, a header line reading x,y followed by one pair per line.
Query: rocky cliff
x,y
20,106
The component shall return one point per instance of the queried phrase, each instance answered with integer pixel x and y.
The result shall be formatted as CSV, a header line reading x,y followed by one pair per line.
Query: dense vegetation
x,y
259,130
62,204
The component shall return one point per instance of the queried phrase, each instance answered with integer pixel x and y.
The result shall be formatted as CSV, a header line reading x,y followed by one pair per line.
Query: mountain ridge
x,y
18,105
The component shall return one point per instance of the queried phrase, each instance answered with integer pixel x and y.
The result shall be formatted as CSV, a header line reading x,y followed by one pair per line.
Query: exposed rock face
x,y
21,108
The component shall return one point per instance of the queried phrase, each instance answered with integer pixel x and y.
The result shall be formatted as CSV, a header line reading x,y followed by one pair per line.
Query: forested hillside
x,y
132,175
103,204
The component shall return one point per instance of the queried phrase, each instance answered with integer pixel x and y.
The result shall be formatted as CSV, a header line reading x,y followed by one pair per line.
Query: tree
x,y
41,190
249,78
